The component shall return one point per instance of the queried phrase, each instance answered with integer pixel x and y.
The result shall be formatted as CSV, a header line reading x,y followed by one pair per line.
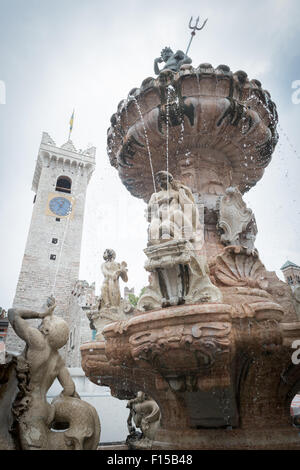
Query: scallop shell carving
x,y
235,266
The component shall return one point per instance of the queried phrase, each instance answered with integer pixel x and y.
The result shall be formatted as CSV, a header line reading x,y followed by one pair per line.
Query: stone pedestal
x,y
179,275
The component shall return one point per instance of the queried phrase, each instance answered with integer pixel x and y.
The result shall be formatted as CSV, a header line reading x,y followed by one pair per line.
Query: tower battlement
x,y
67,157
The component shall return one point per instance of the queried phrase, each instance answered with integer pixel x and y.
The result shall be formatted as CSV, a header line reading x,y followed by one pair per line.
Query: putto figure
x,y
112,271
36,369
172,61
111,306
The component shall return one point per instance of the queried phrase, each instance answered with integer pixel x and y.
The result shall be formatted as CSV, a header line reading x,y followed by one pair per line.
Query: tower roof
x,y
289,264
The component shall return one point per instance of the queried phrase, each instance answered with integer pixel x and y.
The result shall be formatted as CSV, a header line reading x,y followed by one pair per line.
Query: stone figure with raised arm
x,y
37,368
111,307
112,271
172,61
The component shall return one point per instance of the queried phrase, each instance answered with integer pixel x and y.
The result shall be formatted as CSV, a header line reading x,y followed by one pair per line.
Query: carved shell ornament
x,y
236,267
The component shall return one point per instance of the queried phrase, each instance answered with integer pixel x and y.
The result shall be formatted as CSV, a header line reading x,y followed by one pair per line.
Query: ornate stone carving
x,y
237,267
204,341
207,371
37,368
244,282
172,213
151,298
145,413
111,306
201,288
236,221
179,273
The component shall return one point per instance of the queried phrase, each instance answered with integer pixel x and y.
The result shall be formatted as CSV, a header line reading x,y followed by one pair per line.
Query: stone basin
x,y
221,132
223,383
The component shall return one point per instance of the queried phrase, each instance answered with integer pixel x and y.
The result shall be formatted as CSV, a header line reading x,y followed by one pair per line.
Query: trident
x,y
194,28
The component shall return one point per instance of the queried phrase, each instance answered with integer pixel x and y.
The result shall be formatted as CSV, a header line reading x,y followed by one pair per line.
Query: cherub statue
x,y
111,307
172,61
112,271
37,368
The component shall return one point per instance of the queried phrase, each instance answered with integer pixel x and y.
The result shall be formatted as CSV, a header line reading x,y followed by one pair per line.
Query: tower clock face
x,y
60,206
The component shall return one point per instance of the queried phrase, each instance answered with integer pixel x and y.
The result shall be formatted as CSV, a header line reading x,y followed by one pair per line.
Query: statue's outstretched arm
x,y
124,276
123,271
154,412
66,382
17,318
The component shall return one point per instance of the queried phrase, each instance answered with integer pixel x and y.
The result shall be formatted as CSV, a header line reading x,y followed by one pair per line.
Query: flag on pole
x,y
71,123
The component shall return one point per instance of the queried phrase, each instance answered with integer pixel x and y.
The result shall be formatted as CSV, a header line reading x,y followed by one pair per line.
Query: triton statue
x,y
172,61
175,61
40,364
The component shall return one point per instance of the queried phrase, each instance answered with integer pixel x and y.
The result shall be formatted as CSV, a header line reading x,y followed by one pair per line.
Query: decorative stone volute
x,y
236,221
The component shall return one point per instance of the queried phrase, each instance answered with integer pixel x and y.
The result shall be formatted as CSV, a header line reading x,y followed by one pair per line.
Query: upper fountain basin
x,y
211,128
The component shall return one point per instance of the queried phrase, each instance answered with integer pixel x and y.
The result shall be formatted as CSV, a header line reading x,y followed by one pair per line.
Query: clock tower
x,y
52,253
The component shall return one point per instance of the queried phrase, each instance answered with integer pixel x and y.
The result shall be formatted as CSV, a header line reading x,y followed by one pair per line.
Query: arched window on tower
x,y
63,184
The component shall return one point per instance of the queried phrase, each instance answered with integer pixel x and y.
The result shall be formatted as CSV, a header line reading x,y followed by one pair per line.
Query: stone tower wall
x,y
41,276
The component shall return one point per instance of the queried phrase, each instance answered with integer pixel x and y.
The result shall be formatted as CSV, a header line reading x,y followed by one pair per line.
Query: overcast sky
x,y
56,55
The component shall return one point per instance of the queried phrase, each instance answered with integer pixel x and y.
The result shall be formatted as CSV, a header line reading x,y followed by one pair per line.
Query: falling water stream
x,y
288,141
126,112
146,139
167,133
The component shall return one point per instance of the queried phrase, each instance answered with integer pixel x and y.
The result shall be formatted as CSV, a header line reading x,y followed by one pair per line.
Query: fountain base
x,y
219,382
